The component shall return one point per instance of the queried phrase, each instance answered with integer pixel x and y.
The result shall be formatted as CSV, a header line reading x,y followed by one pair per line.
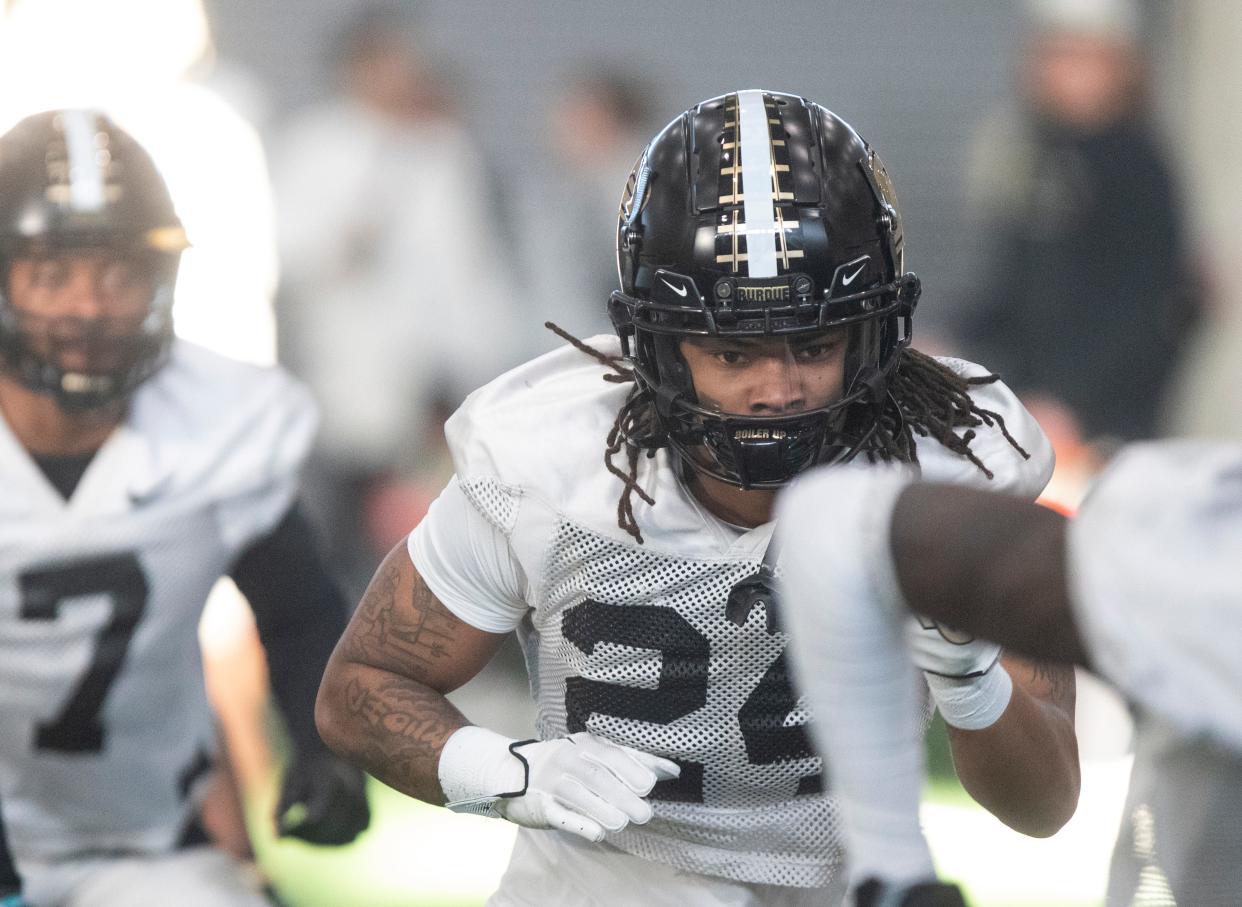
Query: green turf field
x,y
416,855
412,855
421,856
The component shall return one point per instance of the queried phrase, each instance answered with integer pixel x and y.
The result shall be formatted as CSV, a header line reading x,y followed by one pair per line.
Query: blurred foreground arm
x,y
989,564
848,603
993,566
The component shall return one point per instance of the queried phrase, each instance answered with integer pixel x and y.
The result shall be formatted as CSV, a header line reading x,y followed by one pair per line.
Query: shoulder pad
x,y
540,429
230,430
1012,473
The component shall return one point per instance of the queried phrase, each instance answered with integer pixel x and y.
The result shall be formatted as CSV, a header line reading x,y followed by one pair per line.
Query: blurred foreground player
x,y
137,470
764,322
1141,588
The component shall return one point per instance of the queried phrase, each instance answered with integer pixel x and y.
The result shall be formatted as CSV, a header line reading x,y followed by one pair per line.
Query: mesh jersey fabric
x,y
1179,838
550,869
103,715
632,641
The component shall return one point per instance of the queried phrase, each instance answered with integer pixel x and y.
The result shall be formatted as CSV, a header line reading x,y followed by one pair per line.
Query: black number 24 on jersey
x,y
681,689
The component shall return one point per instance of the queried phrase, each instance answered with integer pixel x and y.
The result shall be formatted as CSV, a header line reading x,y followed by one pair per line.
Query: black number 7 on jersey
x,y
77,729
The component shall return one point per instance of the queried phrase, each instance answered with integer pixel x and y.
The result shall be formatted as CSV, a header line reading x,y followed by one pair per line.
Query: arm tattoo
x,y
1058,679
412,640
409,727
395,653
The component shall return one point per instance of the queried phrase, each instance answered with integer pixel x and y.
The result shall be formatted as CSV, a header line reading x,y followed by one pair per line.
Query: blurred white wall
x,y
138,60
1204,103
911,77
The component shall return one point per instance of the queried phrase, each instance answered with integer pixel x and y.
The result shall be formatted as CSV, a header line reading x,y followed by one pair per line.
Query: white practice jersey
x,y
631,641
1155,576
103,714
1154,567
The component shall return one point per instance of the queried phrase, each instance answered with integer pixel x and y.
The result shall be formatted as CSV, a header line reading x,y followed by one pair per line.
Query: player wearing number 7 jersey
x,y
136,471
612,504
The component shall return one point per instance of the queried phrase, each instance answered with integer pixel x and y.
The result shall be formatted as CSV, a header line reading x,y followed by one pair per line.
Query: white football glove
x,y
970,686
939,649
581,783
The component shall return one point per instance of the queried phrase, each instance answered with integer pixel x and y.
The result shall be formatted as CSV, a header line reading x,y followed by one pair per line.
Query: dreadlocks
x,y
925,398
931,400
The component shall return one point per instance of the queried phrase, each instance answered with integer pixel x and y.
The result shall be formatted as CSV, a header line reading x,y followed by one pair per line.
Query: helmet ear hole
x,y
673,367
671,370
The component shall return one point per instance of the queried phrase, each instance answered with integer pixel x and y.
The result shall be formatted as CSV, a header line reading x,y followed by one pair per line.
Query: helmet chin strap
x,y
756,457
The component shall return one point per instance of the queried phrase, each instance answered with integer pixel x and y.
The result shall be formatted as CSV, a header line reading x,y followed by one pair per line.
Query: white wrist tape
x,y
972,703
477,768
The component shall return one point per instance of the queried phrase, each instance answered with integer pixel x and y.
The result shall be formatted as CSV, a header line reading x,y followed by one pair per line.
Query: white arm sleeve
x,y
467,562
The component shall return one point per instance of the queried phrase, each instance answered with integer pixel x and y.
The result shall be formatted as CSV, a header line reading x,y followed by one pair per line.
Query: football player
x,y
612,503
1141,588
137,470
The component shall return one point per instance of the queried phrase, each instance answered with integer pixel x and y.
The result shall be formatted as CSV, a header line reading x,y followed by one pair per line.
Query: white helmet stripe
x,y
86,175
758,194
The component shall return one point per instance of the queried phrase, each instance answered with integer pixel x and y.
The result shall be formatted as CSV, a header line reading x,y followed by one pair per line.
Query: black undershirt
x,y
64,472
300,613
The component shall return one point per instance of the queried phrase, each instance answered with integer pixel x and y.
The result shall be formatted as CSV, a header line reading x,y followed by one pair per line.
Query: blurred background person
x,y
138,469
597,122
1086,289
1082,288
392,303
148,65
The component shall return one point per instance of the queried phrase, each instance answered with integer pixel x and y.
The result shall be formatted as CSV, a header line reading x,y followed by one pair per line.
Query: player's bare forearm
x,y
1024,768
382,704
991,564
390,726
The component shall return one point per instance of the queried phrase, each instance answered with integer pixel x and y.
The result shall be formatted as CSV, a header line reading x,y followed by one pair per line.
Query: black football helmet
x,y
73,180
761,214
